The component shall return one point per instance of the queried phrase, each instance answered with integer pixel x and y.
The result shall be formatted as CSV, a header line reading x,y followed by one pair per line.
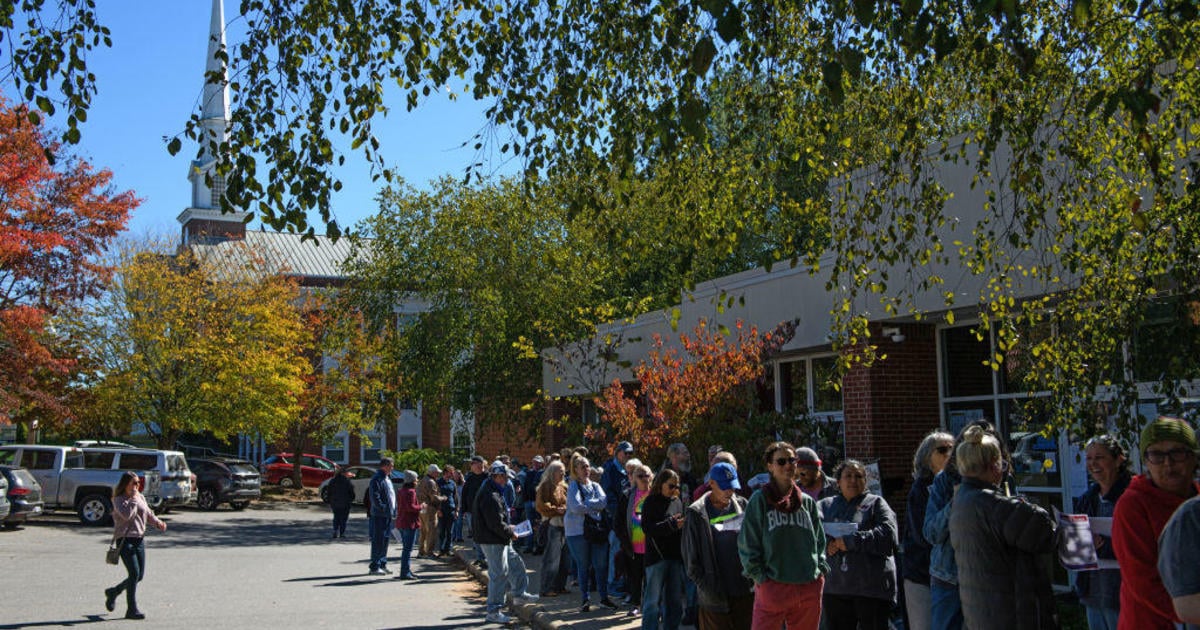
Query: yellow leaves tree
x,y
184,346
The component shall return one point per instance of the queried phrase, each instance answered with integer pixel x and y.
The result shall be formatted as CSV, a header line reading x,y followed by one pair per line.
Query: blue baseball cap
x,y
725,475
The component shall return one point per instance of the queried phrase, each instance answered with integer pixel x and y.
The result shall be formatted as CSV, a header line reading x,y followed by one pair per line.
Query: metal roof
x,y
261,252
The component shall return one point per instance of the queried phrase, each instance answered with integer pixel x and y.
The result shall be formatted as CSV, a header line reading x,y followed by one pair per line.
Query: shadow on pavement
x,y
42,624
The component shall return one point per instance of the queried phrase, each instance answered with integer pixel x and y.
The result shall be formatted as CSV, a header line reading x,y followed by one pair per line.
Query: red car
x,y
313,469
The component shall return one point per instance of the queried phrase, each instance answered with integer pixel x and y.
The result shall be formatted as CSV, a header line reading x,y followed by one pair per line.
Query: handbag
x,y
113,555
595,530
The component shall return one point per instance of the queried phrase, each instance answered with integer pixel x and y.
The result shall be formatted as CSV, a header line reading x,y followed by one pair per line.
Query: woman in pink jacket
x,y
130,513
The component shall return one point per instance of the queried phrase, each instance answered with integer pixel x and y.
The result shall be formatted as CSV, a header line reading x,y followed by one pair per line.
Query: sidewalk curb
x,y
532,614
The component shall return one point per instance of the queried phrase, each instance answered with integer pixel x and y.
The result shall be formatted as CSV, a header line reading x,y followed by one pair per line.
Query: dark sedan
x,y
24,496
225,480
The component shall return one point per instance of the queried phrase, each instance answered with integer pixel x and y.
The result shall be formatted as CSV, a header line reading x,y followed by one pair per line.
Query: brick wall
x,y
891,405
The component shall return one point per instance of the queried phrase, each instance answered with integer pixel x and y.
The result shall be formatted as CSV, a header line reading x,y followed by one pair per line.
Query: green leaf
x,y
702,56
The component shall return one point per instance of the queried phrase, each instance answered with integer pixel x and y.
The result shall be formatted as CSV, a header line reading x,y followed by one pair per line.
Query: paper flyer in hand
x,y
522,529
838,530
1076,547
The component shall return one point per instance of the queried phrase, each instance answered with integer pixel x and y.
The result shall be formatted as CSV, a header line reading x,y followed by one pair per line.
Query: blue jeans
x,y
407,538
506,571
469,531
1101,618
589,556
616,585
381,530
663,593
945,607
133,556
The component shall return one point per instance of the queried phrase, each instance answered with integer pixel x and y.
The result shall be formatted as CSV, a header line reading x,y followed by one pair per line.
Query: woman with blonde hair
x,y
997,542
586,500
551,502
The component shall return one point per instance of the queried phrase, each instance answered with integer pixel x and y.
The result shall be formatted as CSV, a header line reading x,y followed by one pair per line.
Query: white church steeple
x,y
203,220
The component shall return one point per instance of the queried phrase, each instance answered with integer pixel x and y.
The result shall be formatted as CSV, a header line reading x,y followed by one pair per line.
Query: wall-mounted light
x,y
895,334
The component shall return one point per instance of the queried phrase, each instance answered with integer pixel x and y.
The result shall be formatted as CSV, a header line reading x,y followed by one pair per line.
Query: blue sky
x,y
150,82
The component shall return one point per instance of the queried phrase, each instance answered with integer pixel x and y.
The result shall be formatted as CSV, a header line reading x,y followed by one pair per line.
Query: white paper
x,y
838,530
396,534
522,529
1076,547
732,525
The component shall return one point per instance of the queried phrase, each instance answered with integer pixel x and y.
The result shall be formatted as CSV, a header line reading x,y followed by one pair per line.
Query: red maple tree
x,y
55,218
694,394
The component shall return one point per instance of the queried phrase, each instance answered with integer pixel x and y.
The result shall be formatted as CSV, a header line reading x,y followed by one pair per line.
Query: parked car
x,y
5,505
178,483
225,480
67,484
24,495
360,478
313,469
108,443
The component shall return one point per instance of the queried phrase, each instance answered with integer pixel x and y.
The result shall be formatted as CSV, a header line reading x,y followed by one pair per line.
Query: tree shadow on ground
x,y
57,624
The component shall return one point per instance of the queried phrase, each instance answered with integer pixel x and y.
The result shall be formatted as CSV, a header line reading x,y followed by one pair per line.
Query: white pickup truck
x,y
67,485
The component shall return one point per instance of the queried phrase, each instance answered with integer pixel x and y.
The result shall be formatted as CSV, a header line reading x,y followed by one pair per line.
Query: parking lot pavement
x,y
270,565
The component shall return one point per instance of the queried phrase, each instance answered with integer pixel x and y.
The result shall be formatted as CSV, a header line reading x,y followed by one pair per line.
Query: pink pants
x,y
797,605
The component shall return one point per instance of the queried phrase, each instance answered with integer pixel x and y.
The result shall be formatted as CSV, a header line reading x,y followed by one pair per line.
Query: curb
x,y
532,614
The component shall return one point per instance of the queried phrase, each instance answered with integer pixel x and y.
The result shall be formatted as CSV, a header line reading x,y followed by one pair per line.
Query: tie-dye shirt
x,y
636,534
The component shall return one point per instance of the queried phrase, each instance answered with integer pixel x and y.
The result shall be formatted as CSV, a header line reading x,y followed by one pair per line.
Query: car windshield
x,y
243,468
176,463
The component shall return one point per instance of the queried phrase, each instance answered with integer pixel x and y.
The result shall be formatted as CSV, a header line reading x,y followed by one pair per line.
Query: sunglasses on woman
x,y
944,449
673,486
784,461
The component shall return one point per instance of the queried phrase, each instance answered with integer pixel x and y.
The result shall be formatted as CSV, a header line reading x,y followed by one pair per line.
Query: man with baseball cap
x,y
710,554
472,481
533,476
431,502
494,533
811,478
615,483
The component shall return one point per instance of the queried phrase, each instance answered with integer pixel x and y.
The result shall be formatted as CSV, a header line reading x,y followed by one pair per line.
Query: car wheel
x,y
12,525
94,509
239,505
325,494
206,499
286,482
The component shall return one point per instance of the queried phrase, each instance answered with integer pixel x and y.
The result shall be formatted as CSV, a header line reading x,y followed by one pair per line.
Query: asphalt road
x,y
272,565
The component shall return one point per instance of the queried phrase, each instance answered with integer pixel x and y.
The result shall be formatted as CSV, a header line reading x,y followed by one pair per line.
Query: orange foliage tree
x,y
55,219
696,395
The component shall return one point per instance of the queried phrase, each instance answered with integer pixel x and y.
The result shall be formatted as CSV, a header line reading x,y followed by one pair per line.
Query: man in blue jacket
x,y
495,534
383,514
615,483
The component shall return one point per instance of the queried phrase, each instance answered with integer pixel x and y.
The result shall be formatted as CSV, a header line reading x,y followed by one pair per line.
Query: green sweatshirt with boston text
x,y
786,547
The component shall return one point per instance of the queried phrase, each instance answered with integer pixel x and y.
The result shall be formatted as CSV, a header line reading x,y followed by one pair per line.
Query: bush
x,y
419,459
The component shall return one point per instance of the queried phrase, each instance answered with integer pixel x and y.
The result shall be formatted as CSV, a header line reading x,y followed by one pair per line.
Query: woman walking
x,y
861,587
662,520
1100,591
130,513
928,461
586,500
782,548
551,503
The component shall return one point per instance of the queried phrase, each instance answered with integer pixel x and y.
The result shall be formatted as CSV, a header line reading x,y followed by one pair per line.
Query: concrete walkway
x,y
556,613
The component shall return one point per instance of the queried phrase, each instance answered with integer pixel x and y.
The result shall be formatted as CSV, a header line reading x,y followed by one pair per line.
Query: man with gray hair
x,y
383,514
431,502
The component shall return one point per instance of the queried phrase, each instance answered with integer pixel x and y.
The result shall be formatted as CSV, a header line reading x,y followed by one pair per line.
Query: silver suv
x,y
178,484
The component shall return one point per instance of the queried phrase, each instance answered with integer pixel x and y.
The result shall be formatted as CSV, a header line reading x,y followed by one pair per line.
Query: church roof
x,y
318,260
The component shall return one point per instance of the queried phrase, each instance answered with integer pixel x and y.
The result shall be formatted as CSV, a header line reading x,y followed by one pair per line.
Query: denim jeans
x,y
589,556
469,532
445,533
1101,618
381,531
407,538
945,612
133,556
506,572
457,530
663,594
554,564
616,583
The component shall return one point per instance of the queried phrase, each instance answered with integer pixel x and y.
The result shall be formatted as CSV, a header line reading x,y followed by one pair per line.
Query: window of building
x,y
372,443
337,449
965,358
408,442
